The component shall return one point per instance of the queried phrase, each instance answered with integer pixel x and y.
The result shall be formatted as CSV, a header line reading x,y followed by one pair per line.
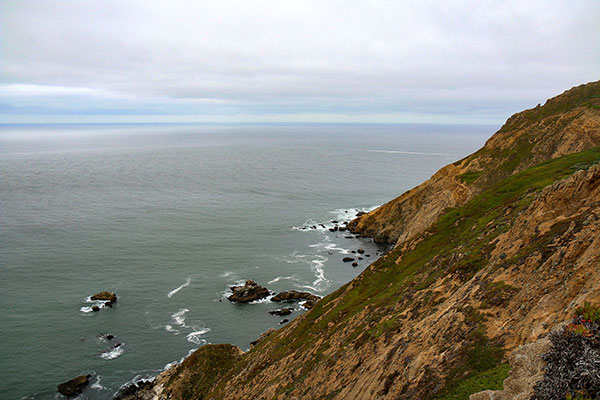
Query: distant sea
x,y
169,217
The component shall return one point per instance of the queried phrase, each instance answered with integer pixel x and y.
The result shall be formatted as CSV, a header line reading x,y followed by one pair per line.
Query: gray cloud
x,y
477,58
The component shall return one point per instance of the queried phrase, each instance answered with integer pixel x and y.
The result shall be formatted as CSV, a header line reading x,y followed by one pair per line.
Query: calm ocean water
x,y
169,217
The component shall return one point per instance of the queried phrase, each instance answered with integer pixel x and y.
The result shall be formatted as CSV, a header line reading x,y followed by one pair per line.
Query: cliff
x,y
490,254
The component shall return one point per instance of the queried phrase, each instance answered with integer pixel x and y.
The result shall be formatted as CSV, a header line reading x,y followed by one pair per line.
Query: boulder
x,y
251,291
347,259
355,264
361,251
95,308
292,295
282,311
309,304
109,297
283,321
74,386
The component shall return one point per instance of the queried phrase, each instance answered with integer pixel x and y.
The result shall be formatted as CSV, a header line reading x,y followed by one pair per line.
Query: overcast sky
x,y
339,61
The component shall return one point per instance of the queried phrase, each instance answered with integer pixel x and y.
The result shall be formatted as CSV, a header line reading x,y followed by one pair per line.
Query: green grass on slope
x,y
468,229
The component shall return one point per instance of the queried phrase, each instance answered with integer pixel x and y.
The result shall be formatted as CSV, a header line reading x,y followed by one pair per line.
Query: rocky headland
x,y
489,256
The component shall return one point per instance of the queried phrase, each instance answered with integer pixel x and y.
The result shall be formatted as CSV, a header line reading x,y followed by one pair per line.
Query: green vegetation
x,y
588,312
200,371
469,176
490,379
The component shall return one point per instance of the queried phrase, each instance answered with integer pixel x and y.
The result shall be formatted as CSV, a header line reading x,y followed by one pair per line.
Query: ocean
x,y
169,217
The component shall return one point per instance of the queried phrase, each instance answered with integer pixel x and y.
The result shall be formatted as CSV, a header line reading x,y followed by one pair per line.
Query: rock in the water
x,y
74,386
360,213
283,321
282,311
139,390
95,308
347,259
361,251
367,255
309,304
342,229
334,221
109,337
262,336
251,291
355,264
110,297
292,295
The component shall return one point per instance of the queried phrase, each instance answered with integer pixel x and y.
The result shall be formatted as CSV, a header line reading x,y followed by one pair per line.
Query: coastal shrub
x,y
573,361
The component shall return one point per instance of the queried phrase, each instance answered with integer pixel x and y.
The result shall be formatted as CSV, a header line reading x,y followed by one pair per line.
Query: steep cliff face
x,y
566,124
491,253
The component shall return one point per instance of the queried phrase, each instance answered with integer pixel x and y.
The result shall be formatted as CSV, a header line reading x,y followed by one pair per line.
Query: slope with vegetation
x,y
490,254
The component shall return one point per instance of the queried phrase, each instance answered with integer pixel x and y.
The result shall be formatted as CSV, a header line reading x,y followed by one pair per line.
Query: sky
x,y
242,61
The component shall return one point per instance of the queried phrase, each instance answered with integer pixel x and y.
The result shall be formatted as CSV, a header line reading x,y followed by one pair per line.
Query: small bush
x,y
573,361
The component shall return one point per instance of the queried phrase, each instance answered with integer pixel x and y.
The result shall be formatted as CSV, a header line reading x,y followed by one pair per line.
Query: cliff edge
x,y
490,254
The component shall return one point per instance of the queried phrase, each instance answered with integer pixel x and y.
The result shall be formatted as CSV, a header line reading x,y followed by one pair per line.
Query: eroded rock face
x,y
292,295
251,291
74,386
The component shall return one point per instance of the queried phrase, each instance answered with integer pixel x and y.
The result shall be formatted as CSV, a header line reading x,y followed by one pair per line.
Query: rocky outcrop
x,y
294,295
108,297
282,311
251,291
74,386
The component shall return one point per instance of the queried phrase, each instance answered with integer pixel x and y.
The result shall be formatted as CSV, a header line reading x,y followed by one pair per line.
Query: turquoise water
x,y
169,217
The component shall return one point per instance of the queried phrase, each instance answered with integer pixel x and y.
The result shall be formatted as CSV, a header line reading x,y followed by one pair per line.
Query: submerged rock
x,y
292,295
74,386
251,291
282,311
109,297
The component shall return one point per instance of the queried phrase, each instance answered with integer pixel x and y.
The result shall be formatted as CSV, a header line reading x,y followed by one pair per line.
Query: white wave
x,y
279,278
320,283
185,284
98,303
113,353
179,317
227,274
327,245
418,153
263,300
194,337
97,385
341,215
170,329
